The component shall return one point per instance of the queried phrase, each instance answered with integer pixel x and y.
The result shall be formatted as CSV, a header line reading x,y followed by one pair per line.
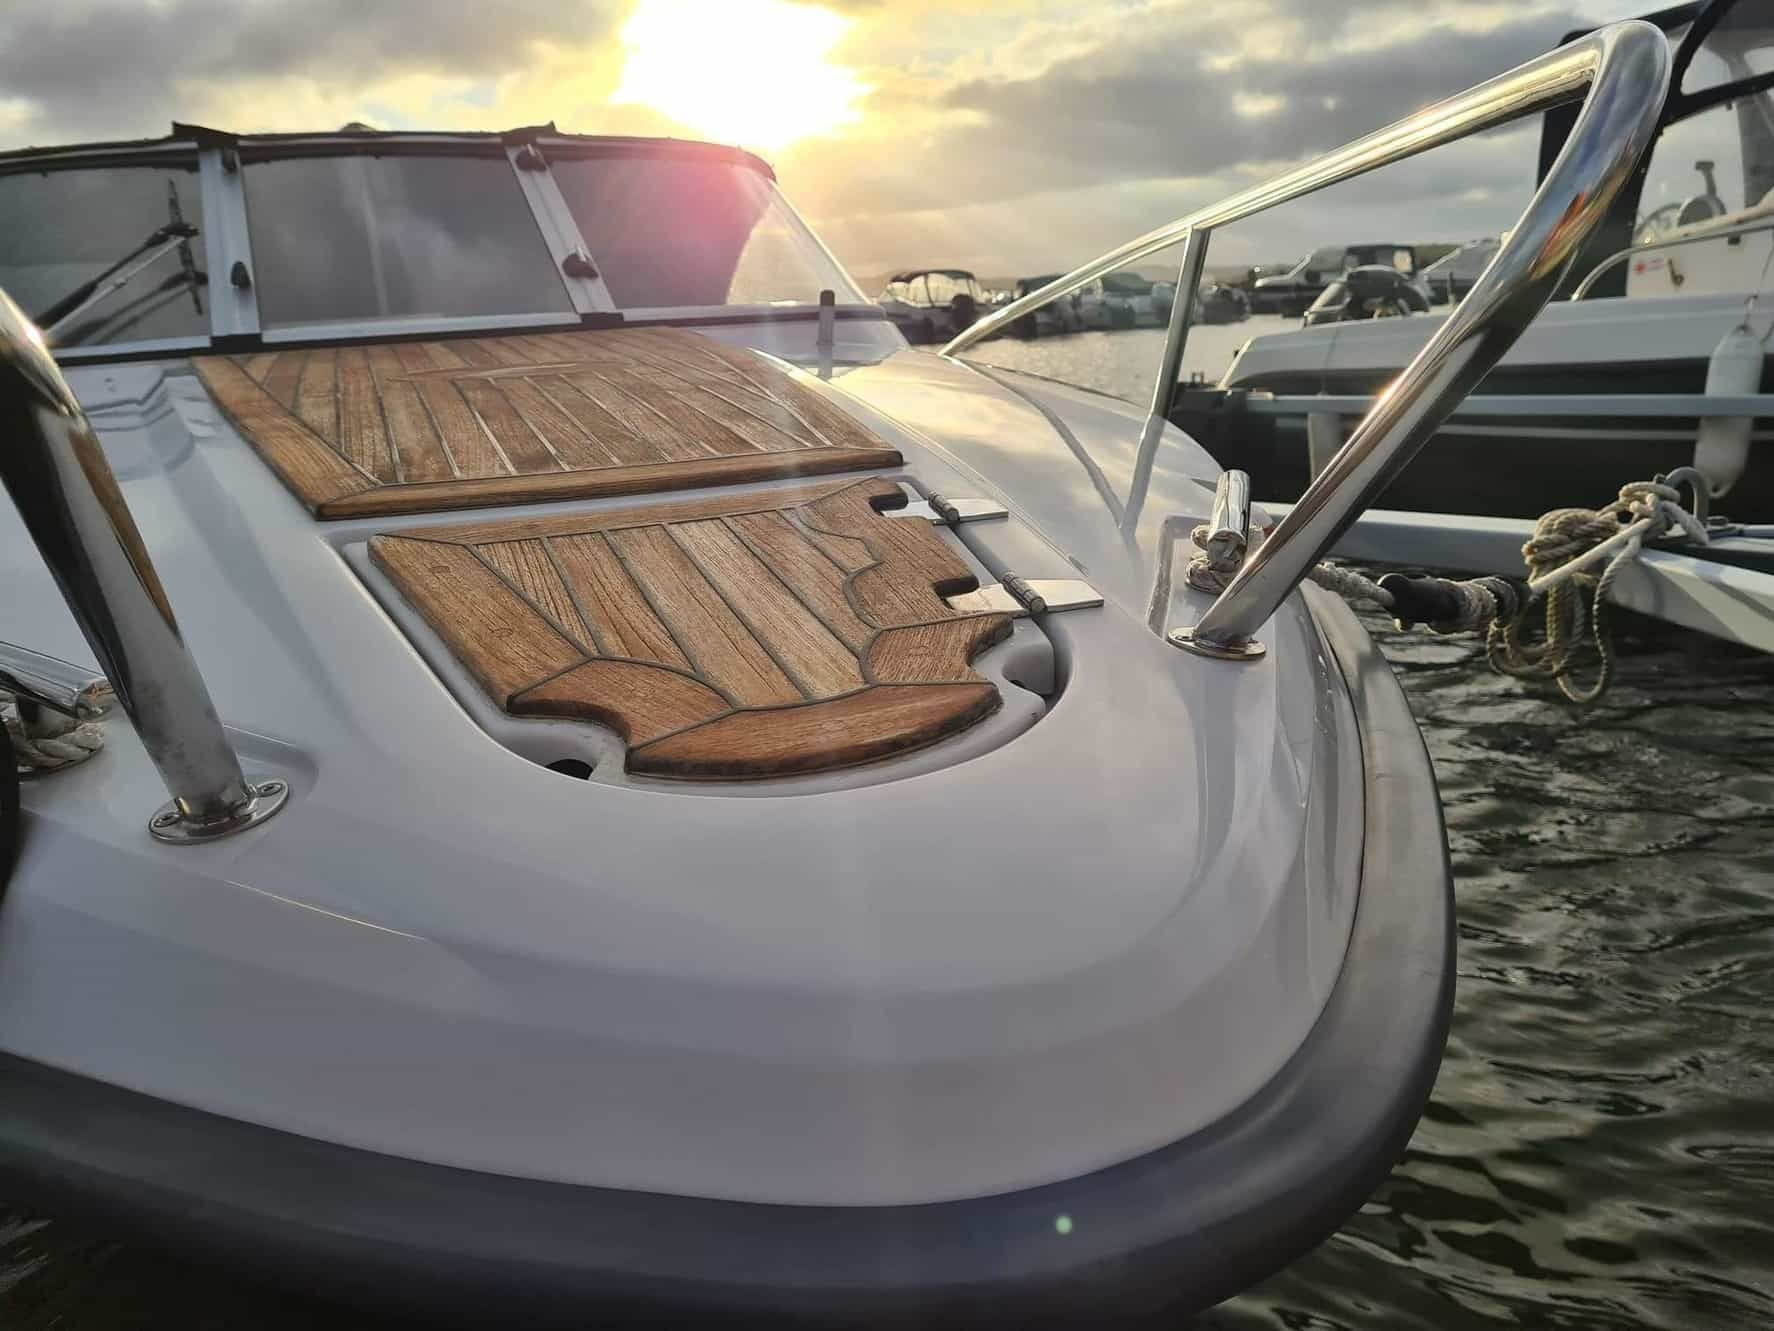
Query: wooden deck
x,y
741,636
412,427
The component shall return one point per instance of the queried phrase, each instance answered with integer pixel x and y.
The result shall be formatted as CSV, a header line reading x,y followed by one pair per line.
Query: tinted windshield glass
x,y
357,237
1719,161
1739,46
681,231
1322,261
59,229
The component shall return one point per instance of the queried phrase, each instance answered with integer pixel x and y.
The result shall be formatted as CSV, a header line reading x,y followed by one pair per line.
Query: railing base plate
x,y
173,827
1248,650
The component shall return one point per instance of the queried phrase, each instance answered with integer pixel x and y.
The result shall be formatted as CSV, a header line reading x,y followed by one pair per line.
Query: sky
x,y
1012,137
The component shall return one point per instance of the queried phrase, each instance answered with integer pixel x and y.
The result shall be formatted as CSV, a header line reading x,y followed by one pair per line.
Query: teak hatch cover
x,y
412,427
747,635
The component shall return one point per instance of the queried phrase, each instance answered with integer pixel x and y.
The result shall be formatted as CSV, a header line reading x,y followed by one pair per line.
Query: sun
x,y
751,72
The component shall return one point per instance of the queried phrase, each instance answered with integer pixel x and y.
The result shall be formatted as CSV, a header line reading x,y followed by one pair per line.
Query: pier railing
x,y
1621,72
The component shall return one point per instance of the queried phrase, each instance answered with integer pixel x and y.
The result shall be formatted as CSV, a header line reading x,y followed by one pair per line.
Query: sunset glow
x,y
752,72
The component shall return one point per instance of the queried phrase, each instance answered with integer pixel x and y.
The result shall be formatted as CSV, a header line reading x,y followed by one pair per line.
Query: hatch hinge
x,y
1013,595
950,512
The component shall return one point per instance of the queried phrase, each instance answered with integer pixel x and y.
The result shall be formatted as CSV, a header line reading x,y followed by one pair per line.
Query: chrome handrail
x,y
1625,70
54,683
52,465
1645,247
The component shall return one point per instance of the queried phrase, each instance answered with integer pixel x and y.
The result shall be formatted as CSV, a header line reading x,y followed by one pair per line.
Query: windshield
x,y
364,235
683,231
1719,160
62,229
359,237
1740,46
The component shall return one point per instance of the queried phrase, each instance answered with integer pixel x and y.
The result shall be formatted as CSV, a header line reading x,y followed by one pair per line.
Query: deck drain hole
x,y
573,767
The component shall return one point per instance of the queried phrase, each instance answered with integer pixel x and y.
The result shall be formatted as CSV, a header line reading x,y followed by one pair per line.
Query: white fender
x,y
1721,450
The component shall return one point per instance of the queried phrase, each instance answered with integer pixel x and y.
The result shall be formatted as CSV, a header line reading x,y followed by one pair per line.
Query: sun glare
x,y
752,72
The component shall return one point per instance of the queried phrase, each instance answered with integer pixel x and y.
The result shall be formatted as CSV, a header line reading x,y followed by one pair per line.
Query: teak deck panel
x,y
414,427
731,637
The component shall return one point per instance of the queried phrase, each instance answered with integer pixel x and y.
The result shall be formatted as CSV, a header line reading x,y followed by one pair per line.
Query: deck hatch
x,y
414,427
735,637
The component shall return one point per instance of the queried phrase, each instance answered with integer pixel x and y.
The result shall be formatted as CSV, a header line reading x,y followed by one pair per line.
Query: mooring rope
x,y
1567,543
1466,607
43,739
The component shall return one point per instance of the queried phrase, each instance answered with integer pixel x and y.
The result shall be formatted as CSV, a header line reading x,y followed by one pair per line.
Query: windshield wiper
x,y
175,235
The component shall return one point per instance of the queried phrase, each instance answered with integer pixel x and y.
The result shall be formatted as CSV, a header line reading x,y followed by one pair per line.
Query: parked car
x,y
933,304
1452,276
1294,291
1371,291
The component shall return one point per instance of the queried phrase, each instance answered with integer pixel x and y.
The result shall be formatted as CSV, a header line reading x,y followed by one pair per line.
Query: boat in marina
x,y
1293,291
633,795
934,304
1653,360
1062,316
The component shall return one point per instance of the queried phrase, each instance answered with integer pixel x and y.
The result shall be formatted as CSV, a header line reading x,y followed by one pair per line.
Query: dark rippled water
x,y
1599,1154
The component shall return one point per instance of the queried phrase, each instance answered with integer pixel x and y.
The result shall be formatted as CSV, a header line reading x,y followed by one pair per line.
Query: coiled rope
x,y
1566,544
42,739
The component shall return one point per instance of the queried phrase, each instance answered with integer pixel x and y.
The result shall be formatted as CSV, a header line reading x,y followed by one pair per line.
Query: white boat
x,y
1613,383
690,809
1293,291
933,304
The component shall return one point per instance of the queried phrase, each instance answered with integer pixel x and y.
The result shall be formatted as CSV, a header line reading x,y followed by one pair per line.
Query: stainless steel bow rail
x,y
52,465
1624,68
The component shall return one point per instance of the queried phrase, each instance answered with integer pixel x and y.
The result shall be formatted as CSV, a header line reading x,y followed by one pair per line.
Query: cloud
x,y
1175,103
1003,133
98,68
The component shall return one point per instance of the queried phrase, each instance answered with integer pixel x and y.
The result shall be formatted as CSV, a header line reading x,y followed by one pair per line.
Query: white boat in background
x,y
693,812
934,304
1293,291
1660,333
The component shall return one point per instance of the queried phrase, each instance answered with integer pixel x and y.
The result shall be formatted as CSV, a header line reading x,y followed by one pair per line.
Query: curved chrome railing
x,y
1620,256
51,463
1625,70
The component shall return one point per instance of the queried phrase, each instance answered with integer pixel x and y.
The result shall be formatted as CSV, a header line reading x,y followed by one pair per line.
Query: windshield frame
x,y
234,320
